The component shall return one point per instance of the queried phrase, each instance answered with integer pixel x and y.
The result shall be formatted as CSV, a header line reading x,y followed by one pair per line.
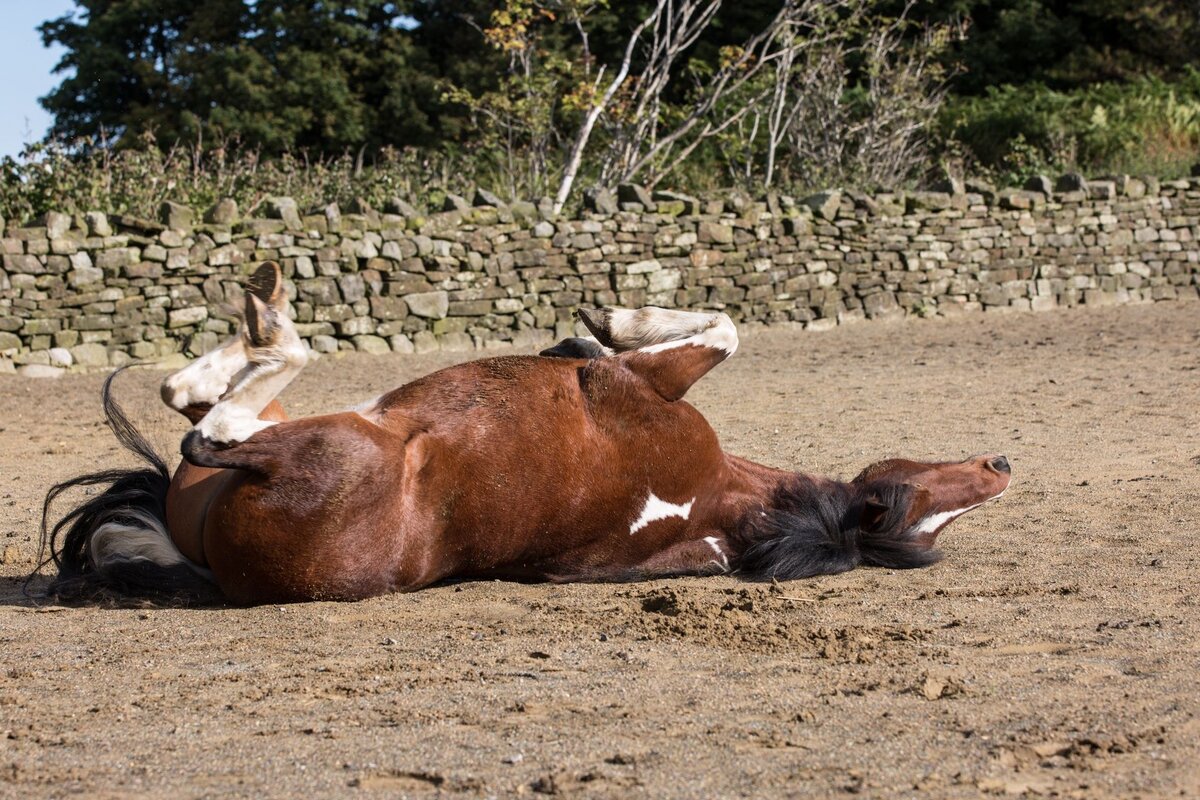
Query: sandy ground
x,y
1054,652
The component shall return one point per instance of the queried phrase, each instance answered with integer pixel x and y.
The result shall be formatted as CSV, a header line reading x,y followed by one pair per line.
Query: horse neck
x,y
754,487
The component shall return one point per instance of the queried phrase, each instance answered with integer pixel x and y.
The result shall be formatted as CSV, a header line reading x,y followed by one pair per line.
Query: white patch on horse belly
x,y
657,508
713,543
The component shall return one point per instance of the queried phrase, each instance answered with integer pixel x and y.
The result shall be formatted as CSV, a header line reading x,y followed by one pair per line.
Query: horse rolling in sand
x,y
583,464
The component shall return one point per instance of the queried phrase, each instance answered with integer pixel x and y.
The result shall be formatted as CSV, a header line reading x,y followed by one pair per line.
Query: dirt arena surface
x,y
1054,652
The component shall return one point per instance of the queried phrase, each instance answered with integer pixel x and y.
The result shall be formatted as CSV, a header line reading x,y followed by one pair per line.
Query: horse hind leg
x,y
680,348
274,355
625,329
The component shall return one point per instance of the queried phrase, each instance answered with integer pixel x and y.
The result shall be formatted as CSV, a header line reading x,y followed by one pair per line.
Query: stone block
x,y
928,201
485,198
55,222
355,326
353,287
143,269
400,343
41,326
389,308
176,216
454,202
599,200
115,258
1071,182
714,233
84,276
824,205
97,224
285,209
430,305
24,264
40,371
676,203
635,193
425,342
1040,184
60,357
90,355
324,344
641,267
881,304
182,317
374,345
223,212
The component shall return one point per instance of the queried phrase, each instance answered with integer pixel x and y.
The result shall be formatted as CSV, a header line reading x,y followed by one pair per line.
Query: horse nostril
x,y
1000,464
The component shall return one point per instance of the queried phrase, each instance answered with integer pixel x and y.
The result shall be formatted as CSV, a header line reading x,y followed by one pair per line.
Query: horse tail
x,y
116,542
824,532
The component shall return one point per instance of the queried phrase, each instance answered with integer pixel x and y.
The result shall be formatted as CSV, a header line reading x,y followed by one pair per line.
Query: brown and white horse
x,y
585,465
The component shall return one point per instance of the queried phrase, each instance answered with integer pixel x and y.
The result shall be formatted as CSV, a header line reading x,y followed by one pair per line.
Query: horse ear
x,y
267,285
874,512
886,505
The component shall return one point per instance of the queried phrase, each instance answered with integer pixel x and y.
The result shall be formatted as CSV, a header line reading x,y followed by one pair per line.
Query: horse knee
x,y
199,385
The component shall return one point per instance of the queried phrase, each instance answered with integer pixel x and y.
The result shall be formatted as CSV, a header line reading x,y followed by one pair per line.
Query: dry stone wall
x,y
97,290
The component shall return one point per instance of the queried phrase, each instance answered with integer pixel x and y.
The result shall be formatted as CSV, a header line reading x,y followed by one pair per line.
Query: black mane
x,y
813,531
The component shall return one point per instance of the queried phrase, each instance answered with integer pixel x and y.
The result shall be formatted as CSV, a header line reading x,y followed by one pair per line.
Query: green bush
x,y
1145,126
136,180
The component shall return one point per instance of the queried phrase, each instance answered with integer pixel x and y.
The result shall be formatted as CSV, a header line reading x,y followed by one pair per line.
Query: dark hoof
x,y
266,283
575,347
597,321
201,451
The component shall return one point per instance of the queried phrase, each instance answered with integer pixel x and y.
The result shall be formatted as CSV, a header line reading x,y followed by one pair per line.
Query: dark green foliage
x,y
1068,44
338,99
1144,126
274,74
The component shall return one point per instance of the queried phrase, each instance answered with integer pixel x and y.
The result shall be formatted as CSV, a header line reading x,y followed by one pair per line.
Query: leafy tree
x,y
1068,44
274,74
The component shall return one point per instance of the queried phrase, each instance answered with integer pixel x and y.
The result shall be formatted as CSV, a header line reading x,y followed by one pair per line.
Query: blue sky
x,y
26,66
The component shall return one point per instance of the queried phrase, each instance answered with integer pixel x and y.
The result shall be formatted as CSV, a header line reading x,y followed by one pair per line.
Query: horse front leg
x,y
274,355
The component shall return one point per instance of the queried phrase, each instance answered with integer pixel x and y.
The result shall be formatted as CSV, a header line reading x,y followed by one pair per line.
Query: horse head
x,y
917,500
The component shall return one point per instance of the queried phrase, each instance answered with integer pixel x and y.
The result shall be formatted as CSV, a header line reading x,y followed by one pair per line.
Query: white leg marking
x,y
657,508
721,335
713,543
235,417
230,423
205,379
632,329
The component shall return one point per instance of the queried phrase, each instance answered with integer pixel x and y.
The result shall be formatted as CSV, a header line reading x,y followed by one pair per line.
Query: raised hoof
x,y
575,347
598,321
266,283
199,450
265,304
